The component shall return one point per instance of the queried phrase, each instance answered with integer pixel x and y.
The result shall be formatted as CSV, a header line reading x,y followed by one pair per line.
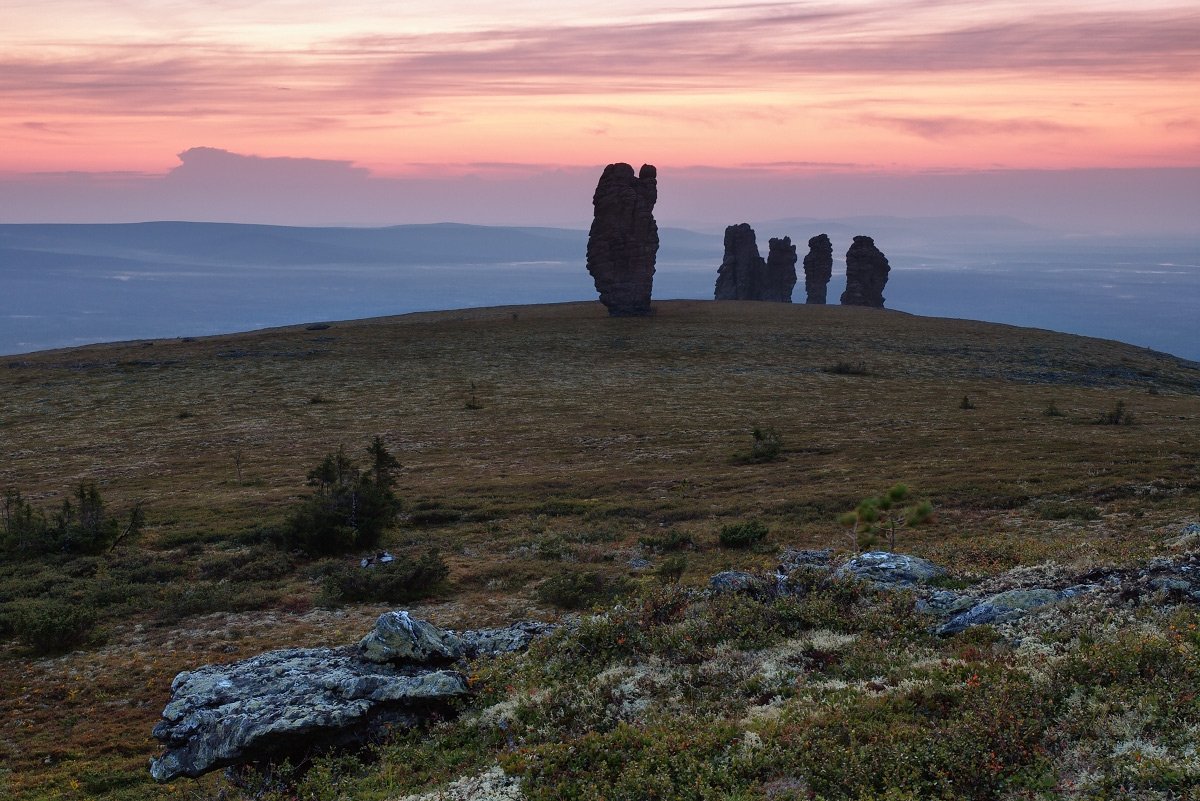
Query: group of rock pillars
x,y
623,244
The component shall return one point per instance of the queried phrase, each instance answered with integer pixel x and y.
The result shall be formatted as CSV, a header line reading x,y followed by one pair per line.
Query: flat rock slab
x,y
280,701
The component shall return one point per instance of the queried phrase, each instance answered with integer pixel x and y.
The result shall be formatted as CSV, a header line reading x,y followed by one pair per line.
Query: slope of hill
x,y
549,444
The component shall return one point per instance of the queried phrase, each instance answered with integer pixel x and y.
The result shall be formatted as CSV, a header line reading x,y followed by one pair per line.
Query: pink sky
x,y
98,100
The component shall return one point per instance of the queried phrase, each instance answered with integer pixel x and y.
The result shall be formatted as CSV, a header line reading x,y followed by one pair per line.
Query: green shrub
x,y
580,589
742,535
349,508
668,541
80,527
671,569
1118,415
387,582
766,445
51,625
885,516
1057,510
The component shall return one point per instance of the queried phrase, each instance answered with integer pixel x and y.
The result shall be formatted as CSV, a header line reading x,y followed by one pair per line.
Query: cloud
x,y
210,165
942,128
725,49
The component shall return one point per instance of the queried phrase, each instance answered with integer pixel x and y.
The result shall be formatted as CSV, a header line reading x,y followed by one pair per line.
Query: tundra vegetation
x,y
596,476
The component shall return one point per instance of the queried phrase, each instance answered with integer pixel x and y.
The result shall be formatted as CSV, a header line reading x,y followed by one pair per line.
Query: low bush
x,y
50,626
1118,415
766,445
847,368
386,582
668,541
1058,510
349,508
580,589
742,535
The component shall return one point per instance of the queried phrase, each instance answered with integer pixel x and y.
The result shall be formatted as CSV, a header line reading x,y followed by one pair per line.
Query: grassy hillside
x,y
537,443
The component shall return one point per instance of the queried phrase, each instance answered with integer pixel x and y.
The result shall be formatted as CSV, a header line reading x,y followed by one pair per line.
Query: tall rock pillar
x,y
623,240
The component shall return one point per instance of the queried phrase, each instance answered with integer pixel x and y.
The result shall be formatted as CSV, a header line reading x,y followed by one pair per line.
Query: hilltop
x,y
543,441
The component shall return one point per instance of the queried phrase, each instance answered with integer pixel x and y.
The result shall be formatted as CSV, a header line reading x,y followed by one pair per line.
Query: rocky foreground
x,y
405,671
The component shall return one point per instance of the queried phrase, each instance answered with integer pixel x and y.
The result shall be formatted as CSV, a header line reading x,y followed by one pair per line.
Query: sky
x,y
1080,113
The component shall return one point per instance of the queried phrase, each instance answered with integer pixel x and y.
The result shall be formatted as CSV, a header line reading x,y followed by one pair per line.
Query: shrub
x,y
885,515
671,570
384,582
50,625
350,507
669,541
580,589
1057,510
966,403
1052,410
80,527
1118,415
766,445
742,535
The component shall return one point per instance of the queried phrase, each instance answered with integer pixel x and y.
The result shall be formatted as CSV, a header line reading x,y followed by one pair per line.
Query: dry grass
x,y
592,432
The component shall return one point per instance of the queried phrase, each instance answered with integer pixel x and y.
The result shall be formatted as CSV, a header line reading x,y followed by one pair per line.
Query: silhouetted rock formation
x,y
737,277
780,277
623,240
818,268
866,274
743,275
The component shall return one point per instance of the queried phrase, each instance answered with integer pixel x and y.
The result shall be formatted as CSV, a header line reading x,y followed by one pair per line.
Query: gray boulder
x,y
886,569
290,702
286,702
1000,608
737,581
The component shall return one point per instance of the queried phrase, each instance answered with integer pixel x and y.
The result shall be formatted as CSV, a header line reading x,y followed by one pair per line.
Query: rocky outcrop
x,y
738,275
818,268
744,275
623,240
866,274
780,277
289,702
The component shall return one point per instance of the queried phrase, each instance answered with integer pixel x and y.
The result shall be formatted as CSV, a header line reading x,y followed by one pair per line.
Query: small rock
x,y
887,569
736,581
398,638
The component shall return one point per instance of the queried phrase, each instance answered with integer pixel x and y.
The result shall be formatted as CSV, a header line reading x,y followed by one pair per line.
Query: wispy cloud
x,y
748,46
942,128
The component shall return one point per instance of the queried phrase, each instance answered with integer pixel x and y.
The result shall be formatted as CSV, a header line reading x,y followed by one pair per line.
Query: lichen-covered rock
x,y
491,785
794,559
742,266
888,569
397,637
623,240
1000,608
779,278
289,702
866,274
818,268
285,702
737,581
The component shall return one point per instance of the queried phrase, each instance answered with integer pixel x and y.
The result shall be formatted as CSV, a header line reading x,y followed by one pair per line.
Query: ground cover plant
x,y
601,451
